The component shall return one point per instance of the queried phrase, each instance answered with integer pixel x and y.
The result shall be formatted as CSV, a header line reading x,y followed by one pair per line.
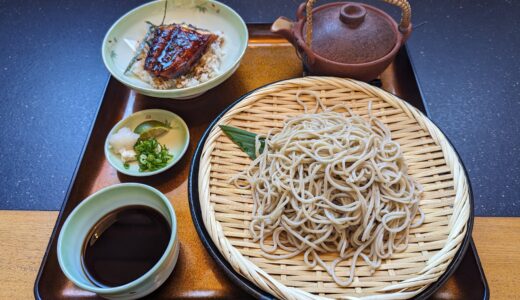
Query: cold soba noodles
x,y
331,182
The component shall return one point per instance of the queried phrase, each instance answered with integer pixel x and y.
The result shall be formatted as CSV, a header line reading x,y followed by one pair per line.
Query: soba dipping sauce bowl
x,y
346,39
77,229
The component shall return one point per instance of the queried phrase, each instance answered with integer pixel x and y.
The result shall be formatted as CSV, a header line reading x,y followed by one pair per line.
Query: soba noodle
x,y
331,182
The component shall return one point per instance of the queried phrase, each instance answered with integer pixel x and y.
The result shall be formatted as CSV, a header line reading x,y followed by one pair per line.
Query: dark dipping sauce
x,y
124,244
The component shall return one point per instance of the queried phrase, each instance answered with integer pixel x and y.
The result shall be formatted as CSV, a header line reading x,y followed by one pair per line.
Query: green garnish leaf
x,y
126,165
244,139
151,155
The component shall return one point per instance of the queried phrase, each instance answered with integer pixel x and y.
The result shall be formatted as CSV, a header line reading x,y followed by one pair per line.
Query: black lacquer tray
x,y
199,275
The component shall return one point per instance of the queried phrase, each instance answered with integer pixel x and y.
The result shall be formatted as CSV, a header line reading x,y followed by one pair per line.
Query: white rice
x,y
206,68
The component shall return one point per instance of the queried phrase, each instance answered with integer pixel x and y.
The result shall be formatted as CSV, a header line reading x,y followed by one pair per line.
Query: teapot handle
x,y
405,26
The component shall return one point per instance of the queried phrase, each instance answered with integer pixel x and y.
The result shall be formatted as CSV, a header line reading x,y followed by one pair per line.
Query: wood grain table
x,y
24,236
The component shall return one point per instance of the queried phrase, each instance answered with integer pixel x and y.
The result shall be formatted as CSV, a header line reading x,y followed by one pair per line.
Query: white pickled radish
x,y
128,155
124,139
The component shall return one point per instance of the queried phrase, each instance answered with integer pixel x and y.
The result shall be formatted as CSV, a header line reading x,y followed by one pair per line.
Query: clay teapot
x,y
346,39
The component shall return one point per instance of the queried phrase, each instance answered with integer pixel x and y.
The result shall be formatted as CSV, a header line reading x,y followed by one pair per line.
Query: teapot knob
x,y
352,14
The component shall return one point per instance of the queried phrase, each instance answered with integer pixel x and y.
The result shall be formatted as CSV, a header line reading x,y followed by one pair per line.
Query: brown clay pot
x,y
346,39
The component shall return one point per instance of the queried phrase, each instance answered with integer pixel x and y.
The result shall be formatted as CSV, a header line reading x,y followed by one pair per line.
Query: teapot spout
x,y
283,26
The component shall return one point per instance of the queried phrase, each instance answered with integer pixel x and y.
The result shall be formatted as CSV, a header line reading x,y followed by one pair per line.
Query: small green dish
x,y
176,139
121,39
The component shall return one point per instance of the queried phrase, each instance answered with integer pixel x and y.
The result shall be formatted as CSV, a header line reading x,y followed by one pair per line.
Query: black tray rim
x,y
471,245
61,213
248,286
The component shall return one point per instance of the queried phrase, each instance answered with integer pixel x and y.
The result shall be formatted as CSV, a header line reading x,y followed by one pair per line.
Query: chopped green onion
x,y
151,155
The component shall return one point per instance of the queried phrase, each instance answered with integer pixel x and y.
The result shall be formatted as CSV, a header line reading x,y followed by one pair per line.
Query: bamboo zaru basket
x,y
431,160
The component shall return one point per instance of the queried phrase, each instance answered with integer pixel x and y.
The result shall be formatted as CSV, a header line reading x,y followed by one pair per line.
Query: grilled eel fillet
x,y
175,49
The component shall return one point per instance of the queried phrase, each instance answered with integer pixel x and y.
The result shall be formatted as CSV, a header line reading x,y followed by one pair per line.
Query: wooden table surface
x,y
24,236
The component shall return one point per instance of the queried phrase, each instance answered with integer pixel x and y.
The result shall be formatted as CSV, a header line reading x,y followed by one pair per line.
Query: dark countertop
x,y
52,79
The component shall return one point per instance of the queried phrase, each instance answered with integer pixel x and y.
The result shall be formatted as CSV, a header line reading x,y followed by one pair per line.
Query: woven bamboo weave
x,y
227,210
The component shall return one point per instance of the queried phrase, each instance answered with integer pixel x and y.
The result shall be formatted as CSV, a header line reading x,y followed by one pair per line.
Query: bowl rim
x,y
172,243
150,173
186,91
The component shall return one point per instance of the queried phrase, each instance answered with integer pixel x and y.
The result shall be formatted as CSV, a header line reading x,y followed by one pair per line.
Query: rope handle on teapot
x,y
406,15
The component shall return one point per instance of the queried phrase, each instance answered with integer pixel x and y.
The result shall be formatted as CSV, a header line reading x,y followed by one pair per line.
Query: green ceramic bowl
x,y
87,214
120,40
176,140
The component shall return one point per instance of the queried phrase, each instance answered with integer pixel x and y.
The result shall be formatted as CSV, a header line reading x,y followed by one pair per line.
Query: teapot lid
x,y
351,32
